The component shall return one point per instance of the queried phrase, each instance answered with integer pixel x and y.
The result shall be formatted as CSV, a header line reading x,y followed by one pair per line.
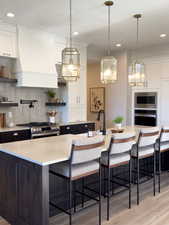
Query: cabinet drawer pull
x,y
15,134
6,54
68,128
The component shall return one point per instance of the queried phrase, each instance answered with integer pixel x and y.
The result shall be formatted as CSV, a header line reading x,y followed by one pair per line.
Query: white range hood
x,y
36,59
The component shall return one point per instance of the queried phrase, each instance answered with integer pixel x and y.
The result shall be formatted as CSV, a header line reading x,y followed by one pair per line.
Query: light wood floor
x,y
151,211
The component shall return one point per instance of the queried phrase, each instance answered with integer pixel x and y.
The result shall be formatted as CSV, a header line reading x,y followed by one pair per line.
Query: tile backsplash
x,y
22,113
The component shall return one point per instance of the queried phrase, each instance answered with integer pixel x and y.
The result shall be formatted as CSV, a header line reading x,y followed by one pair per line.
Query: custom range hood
x,y
35,65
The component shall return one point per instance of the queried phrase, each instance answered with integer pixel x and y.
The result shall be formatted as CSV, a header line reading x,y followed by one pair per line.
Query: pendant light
x,y
108,63
70,58
137,69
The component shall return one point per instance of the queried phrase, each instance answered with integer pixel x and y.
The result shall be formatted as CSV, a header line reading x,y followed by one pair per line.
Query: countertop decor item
x,y
118,122
117,131
70,57
51,95
52,116
9,120
2,120
137,69
108,63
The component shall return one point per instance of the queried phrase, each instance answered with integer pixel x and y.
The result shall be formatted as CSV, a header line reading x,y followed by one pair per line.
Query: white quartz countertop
x,y
49,150
16,128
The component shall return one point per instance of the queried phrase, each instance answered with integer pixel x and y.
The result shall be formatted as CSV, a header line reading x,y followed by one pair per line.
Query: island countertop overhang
x,y
49,150
44,151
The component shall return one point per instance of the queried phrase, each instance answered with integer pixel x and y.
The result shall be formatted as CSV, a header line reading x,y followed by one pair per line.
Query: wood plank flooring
x,y
151,211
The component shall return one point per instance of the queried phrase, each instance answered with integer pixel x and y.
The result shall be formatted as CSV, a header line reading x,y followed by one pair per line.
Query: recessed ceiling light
x,y
75,33
163,35
10,14
118,45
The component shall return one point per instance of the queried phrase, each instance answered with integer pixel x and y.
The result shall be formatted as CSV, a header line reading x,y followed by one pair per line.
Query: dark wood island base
x,y
24,191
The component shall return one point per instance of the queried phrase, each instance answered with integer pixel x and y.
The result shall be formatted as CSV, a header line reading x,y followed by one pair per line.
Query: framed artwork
x,y
97,99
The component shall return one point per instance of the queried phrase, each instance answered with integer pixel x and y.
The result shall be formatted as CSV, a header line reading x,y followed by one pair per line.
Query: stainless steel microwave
x,y
146,100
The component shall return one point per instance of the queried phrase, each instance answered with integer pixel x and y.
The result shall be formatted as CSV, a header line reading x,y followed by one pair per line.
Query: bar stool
x,y
84,161
145,148
162,146
118,154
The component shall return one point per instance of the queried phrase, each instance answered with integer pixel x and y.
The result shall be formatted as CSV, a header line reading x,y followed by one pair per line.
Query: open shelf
x,y
8,104
55,104
7,80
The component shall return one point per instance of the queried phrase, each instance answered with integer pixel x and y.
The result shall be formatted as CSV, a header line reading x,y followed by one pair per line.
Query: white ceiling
x,y
90,20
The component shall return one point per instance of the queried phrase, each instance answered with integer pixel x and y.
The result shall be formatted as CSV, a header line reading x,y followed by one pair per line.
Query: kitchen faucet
x,y
104,121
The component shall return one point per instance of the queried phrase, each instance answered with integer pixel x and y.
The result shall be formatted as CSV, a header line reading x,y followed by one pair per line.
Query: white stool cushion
x,y
165,135
77,169
115,158
143,151
163,146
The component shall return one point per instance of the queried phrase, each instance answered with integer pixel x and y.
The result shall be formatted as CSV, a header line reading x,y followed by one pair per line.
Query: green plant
x,y
118,119
51,93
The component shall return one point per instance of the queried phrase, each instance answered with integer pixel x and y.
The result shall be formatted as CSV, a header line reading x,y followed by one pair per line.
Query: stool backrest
x,y
164,136
148,136
122,142
87,149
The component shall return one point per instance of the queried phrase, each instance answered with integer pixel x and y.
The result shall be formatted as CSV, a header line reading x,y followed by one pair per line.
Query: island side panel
x,y
24,191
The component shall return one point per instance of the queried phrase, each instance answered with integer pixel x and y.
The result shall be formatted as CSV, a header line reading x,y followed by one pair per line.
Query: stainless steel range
x,y
42,129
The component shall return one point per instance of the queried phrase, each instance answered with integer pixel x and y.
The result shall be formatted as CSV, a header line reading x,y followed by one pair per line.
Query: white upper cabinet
x,y
8,41
153,72
77,93
37,59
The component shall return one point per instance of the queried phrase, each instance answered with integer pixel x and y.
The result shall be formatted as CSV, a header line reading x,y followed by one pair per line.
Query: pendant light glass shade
x,y
137,75
108,70
70,58
70,64
108,63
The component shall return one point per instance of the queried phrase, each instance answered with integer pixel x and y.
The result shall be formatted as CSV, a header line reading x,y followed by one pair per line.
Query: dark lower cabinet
x,y
24,191
77,128
18,135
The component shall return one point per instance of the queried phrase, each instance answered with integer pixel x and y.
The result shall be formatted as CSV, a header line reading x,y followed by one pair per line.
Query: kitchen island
x,y
24,172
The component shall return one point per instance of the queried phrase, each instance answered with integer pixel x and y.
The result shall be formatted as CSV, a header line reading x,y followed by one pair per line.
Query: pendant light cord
x,y
108,44
70,23
137,31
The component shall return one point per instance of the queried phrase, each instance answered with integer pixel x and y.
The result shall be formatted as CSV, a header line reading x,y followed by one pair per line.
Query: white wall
x,y
116,94
156,60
